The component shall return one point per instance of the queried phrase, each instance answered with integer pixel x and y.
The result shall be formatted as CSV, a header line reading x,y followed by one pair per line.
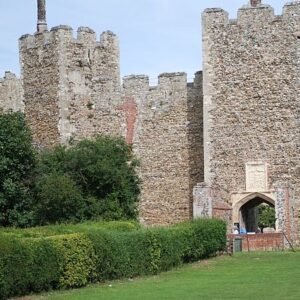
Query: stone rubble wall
x,y
11,93
251,96
195,130
167,138
39,57
92,85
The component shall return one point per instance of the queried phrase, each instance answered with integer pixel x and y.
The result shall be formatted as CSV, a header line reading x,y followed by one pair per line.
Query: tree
x,y
101,170
266,216
17,161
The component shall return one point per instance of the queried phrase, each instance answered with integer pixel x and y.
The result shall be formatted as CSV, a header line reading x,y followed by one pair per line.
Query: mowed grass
x,y
269,275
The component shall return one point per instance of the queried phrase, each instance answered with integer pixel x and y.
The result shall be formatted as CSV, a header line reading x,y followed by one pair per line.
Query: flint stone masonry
x,y
251,100
167,138
11,93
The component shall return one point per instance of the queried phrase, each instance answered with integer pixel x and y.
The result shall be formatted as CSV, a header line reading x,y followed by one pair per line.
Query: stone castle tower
x,y
218,146
251,115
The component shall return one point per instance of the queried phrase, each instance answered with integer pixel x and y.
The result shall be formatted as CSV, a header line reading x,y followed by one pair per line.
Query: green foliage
x,y
52,230
102,174
83,254
76,259
150,251
266,216
38,264
27,265
17,160
90,180
59,199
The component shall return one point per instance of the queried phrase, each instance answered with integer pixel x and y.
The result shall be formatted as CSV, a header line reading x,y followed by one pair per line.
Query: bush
x,y
99,253
34,265
17,161
27,265
102,171
59,200
76,260
150,251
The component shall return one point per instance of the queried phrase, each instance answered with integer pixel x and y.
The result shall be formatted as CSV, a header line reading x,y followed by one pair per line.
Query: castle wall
x,y
11,93
195,130
72,91
166,136
251,102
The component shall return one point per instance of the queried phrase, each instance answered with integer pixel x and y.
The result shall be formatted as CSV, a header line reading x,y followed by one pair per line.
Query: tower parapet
x,y
61,75
214,17
291,14
255,15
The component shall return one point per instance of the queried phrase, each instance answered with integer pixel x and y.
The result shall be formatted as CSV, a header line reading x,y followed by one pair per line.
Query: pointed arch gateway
x,y
245,211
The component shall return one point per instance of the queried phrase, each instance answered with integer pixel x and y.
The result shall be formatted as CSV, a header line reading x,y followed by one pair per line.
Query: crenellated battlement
x,y
215,17
253,16
8,76
166,81
85,36
136,82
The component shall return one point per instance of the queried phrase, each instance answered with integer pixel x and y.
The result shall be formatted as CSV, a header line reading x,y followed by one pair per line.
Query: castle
x,y
218,146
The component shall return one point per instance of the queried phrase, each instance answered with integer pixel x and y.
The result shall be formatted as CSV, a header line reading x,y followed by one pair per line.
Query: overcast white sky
x,y
155,35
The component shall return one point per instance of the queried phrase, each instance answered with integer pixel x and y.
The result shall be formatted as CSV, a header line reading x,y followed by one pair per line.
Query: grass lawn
x,y
255,276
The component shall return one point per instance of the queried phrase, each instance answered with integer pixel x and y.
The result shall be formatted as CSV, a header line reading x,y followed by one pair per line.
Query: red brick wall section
x,y
222,210
288,230
260,242
130,108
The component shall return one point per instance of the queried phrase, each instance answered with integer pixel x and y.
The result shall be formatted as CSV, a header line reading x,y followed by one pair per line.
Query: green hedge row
x,y
51,230
75,259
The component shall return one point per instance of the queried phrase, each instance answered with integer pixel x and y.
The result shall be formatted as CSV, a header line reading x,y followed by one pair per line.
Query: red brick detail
x,y
288,230
222,210
130,108
260,241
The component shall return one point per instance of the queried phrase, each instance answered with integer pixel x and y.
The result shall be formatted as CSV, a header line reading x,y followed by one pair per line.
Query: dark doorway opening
x,y
251,214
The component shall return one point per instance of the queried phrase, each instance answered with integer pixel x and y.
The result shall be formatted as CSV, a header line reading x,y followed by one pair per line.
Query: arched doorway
x,y
252,214
246,211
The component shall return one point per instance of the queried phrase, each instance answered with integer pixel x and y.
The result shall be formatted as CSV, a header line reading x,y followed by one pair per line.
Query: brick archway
x,y
236,212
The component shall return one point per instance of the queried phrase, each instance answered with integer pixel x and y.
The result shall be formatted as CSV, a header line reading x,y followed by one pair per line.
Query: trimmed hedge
x,y
27,265
92,253
76,259
52,230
